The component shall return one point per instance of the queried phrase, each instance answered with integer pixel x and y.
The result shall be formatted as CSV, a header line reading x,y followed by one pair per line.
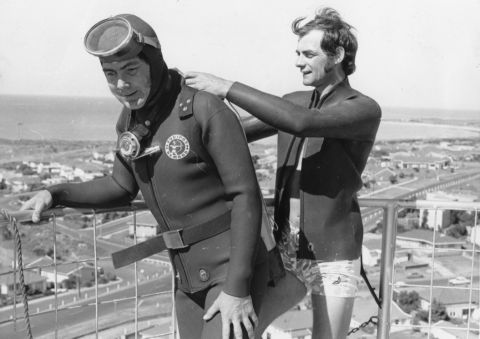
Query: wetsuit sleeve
x,y
116,189
352,118
256,129
225,141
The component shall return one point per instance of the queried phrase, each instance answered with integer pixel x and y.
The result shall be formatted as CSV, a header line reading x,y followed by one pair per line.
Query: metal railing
x,y
387,273
91,300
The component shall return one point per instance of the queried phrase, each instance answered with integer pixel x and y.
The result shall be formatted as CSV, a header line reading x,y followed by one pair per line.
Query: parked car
x,y
414,275
460,280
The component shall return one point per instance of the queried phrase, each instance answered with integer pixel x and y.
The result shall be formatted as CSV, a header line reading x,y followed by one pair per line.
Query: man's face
x,y
315,65
129,81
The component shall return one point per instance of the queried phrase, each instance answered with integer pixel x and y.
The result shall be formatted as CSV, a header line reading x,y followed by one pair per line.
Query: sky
x,y
412,53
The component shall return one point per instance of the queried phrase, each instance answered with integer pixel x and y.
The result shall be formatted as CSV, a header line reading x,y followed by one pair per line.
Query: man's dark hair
x,y
337,33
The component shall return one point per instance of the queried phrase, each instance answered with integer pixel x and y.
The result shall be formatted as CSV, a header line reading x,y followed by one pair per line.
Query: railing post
x,y
386,270
14,281
95,267
174,311
54,225
135,268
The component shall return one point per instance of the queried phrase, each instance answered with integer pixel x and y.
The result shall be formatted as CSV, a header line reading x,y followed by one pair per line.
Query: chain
x,y
373,320
13,223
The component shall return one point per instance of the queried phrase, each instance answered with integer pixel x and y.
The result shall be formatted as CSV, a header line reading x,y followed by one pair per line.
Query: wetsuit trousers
x,y
192,306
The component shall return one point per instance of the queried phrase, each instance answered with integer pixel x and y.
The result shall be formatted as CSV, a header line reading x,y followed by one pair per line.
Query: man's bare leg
x,y
331,316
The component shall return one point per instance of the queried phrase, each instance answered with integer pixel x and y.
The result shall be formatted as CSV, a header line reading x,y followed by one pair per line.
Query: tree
x,y
39,251
393,179
7,234
462,218
439,312
408,301
69,283
424,219
456,231
45,175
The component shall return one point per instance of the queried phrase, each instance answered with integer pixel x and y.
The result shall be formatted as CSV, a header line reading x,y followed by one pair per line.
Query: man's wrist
x,y
54,190
227,86
236,287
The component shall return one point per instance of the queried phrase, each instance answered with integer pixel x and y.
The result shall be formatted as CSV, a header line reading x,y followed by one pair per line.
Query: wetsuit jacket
x,y
204,170
338,131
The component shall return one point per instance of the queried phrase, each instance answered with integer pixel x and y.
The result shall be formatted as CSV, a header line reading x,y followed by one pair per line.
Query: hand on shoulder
x,y
209,83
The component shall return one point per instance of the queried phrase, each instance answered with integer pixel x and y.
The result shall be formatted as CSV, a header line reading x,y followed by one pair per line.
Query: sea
x,y
94,118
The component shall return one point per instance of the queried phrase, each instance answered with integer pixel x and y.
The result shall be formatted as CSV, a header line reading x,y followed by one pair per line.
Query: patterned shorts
x,y
335,278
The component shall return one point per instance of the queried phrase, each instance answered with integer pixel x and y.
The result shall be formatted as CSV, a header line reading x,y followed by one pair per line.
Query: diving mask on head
x,y
116,38
129,144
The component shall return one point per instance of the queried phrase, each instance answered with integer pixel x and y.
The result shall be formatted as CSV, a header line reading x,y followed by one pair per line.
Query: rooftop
x,y
449,296
30,277
427,236
294,320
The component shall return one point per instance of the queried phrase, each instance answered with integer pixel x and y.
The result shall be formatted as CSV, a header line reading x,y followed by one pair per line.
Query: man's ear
x,y
339,55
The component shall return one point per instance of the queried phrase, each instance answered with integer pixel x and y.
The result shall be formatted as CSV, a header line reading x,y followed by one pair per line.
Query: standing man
x,y
324,138
187,154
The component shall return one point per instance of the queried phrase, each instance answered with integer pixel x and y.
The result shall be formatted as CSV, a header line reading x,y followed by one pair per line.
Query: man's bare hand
x,y
39,202
235,311
209,83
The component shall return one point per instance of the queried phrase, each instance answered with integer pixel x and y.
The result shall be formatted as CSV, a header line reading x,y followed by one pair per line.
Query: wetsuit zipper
x,y
153,190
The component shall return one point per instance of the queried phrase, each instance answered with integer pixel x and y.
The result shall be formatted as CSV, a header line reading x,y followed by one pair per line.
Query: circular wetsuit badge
x,y
177,147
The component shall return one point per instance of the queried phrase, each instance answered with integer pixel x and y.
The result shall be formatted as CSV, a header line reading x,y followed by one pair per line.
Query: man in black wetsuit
x,y
324,138
187,154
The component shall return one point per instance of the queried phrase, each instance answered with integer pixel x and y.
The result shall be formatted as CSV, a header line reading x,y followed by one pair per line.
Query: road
x,y
408,189
84,312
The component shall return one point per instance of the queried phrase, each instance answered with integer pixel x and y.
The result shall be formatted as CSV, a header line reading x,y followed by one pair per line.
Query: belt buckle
x,y
173,239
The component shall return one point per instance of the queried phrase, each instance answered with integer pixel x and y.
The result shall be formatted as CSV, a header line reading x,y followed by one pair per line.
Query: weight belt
x,y
175,239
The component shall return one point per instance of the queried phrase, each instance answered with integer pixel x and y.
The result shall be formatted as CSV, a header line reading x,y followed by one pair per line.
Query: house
x,y
385,161
24,183
147,226
54,181
437,218
474,233
33,281
371,257
447,330
372,251
110,157
425,160
269,160
384,175
457,301
85,272
423,239
54,168
365,307
293,324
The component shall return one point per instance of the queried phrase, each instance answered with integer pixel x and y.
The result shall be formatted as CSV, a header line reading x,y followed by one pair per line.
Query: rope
x,y
13,223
